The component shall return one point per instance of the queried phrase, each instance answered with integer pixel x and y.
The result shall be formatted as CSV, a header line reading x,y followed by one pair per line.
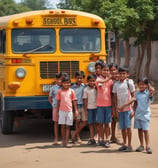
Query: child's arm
x,y
115,111
134,109
151,90
57,108
85,106
103,80
128,103
50,100
75,107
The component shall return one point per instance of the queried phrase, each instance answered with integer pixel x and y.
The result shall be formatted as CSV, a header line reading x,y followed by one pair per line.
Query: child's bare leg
x,y
129,135
91,131
140,135
113,130
67,134
76,134
124,136
101,131
146,134
56,132
107,131
63,133
78,130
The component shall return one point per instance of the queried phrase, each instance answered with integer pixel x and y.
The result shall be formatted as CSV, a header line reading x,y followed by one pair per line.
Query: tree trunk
x,y
127,53
137,61
147,65
117,49
143,46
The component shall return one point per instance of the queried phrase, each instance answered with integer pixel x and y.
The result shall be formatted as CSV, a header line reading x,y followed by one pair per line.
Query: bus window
x,y
2,41
80,40
33,40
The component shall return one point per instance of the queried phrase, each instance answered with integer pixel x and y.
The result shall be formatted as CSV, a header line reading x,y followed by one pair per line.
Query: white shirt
x,y
123,91
91,95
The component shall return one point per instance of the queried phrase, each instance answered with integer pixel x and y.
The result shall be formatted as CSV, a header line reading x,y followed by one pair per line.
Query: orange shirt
x,y
66,97
104,92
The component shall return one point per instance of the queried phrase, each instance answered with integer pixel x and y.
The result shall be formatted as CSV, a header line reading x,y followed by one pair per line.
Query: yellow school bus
x,y
36,45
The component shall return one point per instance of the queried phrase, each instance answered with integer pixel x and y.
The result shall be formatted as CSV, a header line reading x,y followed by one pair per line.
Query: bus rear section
x,y
35,52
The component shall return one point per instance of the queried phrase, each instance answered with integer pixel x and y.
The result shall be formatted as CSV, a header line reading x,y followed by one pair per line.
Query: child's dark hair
x,y
99,62
113,65
144,80
124,69
91,76
66,79
58,75
61,74
80,73
104,65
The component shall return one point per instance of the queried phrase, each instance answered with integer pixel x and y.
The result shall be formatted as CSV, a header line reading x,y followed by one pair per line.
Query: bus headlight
x,y
20,72
91,67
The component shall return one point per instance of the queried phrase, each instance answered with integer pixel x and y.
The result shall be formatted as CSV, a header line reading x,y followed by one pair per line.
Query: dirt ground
x,y
31,146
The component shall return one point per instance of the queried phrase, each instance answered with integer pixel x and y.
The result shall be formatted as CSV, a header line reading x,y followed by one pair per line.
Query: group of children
x,y
106,98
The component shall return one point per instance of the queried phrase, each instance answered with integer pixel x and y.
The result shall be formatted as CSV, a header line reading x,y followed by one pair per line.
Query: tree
x,y
35,4
8,7
146,23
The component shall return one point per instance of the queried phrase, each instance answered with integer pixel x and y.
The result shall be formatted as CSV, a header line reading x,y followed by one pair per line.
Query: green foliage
x,y
8,7
35,4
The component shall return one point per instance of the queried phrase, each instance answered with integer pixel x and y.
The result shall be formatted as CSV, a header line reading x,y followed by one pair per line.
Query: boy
x,y
114,76
142,117
104,109
78,87
123,90
89,97
53,102
65,98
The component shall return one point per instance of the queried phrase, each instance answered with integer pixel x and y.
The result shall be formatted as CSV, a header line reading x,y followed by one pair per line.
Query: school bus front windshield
x,y
73,40
80,40
33,40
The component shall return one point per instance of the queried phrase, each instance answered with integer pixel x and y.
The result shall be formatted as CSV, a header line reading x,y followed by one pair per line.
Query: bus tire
x,y
7,119
7,122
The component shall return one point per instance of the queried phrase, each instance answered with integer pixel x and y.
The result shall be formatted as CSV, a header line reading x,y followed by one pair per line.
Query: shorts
x,y
81,114
124,120
65,118
141,124
54,114
104,115
92,116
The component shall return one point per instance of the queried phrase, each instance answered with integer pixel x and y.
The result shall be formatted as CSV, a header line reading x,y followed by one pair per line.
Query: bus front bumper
x,y
29,102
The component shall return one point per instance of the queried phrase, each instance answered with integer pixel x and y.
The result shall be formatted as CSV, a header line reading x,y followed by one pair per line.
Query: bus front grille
x,y
49,69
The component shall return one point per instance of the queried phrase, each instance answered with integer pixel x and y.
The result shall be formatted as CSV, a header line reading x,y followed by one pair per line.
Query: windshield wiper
x,y
36,49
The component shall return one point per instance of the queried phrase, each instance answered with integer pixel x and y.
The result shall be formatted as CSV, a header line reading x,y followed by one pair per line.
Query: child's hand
x,y
76,113
151,90
121,108
132,114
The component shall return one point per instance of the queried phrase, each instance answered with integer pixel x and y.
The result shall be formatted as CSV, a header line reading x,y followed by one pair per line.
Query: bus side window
x,y
2,41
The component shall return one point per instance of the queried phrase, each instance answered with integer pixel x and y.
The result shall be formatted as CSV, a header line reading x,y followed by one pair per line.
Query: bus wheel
x,y
7,122
7,119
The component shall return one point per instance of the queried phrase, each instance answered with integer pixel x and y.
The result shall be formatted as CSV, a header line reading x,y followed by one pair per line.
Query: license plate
x,y
46,88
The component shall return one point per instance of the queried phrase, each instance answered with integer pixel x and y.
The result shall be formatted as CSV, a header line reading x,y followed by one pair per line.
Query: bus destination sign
x,y
59,21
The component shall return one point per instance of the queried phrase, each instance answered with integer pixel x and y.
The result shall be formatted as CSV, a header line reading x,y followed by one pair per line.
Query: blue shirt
x,y
53,94
79,92
143,111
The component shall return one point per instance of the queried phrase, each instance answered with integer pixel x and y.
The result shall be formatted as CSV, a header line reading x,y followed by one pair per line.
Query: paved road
x,y
31,146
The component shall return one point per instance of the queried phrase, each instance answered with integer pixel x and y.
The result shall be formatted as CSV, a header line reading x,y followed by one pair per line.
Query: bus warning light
x,y
95,22
29,20
15,22
51,11
16,61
